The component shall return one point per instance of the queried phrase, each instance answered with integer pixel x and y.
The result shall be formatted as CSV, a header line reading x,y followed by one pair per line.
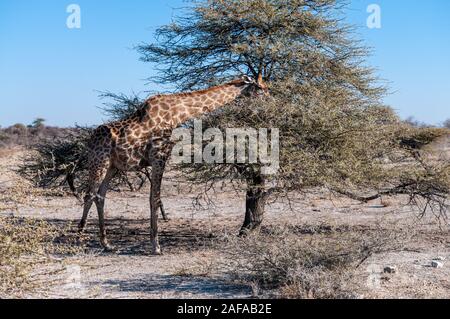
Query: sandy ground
x,y
187,267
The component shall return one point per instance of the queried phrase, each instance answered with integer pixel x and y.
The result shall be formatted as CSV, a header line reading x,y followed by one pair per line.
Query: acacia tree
x,y
38,123
334,130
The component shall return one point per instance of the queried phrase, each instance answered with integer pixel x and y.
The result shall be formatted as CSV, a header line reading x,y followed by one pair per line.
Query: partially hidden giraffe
x,y
144,140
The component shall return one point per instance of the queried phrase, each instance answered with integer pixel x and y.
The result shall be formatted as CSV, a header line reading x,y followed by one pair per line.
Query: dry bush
x,y
61,164
54,160
25,243
313,262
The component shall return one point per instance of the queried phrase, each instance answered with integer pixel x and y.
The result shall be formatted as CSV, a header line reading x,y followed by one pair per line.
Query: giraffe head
x,y
255,87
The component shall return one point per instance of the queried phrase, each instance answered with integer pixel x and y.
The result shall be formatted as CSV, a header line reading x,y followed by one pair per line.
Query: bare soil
x,y
190,265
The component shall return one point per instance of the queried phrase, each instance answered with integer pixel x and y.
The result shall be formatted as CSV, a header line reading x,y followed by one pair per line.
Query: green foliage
x,y
219,39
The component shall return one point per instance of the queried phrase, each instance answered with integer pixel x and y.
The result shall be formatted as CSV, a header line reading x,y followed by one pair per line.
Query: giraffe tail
x,y
70,179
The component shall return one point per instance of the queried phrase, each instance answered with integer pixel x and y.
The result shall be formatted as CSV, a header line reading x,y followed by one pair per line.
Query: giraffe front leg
x,y
156,249
155,204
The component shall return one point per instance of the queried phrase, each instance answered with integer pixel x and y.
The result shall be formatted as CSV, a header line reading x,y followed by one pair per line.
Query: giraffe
x,y
143,140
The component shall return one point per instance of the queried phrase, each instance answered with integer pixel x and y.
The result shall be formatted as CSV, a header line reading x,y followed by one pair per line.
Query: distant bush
x,y
447,123
39,122
416,123
17,129
21,135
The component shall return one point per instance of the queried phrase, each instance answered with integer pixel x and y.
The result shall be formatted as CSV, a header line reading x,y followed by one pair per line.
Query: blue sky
x,y
50,71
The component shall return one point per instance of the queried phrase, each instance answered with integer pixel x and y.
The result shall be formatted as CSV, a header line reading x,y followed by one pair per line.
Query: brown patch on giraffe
x,y
144,139
165,106
153,111
167,117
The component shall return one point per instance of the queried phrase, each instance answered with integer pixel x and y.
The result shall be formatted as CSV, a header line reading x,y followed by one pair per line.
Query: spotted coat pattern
x,y
143,140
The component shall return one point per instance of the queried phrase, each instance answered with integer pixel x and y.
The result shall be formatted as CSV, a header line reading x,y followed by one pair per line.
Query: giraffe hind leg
x,y
155,203
164,215
163,212
95,177
88,201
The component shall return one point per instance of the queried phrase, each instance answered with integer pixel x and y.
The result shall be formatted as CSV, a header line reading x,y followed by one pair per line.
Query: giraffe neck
x,y
170,111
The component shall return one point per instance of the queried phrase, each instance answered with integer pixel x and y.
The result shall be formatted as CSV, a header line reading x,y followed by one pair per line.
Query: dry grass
x,y
23,192
313,262
7,151
205,265
24,245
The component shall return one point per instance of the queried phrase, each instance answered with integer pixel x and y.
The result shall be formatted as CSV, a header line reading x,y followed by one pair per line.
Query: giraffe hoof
x,y
156,252
81,229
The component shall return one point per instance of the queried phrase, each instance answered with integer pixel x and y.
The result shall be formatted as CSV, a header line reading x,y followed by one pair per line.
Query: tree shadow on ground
x,y
132,236
183,285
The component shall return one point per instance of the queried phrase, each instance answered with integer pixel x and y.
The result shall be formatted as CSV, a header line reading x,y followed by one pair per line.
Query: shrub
x,y
23,244
62,162
321,263
447,123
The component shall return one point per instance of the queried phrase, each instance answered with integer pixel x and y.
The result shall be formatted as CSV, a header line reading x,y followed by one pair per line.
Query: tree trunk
x,y
254,204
